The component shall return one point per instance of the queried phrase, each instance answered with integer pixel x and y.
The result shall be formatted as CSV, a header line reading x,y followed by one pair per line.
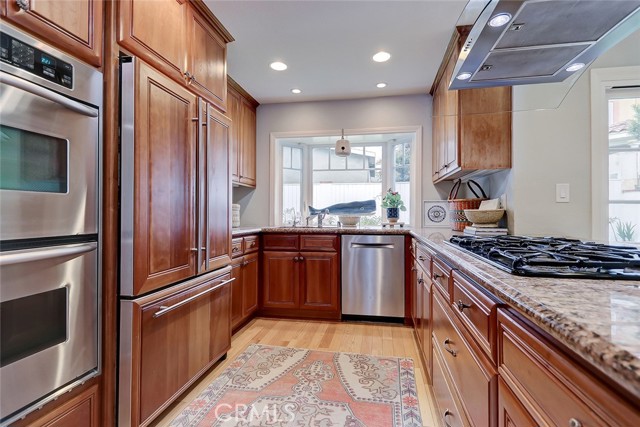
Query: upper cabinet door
x,y
207,62
164,183
235,112
217,185
248,145
73,26
156,32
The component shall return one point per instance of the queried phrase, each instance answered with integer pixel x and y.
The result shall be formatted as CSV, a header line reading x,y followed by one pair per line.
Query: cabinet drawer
x,y
555,389
251,244
472,377
441,277
477,312
449,409
280,242
319,243
236,247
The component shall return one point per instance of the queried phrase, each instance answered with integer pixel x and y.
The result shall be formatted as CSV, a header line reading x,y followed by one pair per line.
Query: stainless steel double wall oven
x,y
49,223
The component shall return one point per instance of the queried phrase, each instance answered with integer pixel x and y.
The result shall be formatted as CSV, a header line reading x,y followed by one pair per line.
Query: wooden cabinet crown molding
x,y
233,85
206,13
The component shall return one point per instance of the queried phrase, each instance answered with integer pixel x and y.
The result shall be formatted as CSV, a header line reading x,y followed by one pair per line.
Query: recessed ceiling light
x,y
381,85
574,67
278,66
296,91
381,56
499,20
463,76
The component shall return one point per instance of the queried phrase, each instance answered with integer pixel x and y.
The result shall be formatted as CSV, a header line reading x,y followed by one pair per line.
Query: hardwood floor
x,y
376,339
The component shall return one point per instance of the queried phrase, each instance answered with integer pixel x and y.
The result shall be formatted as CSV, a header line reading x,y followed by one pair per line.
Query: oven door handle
x,y
47,253
33,88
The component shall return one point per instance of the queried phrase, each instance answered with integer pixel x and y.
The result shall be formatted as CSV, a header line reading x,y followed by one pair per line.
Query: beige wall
x,y
554,146
393,111
549,147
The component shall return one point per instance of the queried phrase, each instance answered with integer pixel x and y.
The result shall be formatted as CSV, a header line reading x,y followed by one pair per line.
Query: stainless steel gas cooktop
x,y
554,257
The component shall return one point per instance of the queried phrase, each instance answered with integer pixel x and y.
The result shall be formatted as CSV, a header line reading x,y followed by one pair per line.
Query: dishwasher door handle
x,y
373,245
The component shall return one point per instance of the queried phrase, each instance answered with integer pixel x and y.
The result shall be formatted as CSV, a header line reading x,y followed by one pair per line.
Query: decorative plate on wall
x,y
435,213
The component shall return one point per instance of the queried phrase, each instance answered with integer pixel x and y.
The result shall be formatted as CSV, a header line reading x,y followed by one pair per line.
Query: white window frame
x,y
275,167
603,79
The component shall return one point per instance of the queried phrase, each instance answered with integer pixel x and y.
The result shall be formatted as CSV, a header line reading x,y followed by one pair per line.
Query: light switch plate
x,y
563,193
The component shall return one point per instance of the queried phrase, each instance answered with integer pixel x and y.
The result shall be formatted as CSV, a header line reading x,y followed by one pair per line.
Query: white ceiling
x,y
328,46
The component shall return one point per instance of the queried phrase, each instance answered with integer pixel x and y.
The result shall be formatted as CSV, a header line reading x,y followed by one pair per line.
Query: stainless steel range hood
x,y
539,40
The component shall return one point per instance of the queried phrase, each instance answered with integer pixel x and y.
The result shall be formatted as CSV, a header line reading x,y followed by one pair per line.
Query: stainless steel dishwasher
x,y
373,275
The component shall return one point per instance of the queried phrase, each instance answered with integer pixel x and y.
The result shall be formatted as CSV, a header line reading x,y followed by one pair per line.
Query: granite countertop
x,y
236,232
598,319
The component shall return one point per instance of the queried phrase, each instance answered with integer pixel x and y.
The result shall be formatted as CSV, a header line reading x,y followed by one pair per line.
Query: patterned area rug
x,y
281,386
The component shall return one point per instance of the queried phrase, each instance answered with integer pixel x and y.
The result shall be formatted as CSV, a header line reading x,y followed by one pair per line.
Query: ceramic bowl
x,y
486,217
349,221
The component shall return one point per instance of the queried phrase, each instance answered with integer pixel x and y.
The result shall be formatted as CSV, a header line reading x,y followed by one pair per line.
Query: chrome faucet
x,y
321,216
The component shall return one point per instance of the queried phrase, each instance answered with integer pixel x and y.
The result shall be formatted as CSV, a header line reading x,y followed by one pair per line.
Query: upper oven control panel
x,y
35,61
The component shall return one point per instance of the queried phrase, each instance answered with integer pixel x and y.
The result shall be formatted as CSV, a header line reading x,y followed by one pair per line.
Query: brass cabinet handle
x,y
462,306
444,417
446,343
23,4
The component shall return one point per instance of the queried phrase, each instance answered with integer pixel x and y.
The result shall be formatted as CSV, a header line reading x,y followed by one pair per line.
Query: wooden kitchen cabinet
x,y
215,181
164,210
472,375
319,281
76,27
550,387
156,32
242,110
83,409
421,295
182,39
244,298
299,282
511,413
206,69
170,339
471,128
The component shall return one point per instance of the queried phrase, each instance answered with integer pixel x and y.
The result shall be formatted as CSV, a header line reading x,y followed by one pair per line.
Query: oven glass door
x,y
48,163
48,323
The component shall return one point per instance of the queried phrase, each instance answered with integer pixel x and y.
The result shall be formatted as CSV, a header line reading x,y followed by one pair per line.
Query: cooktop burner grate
x,y
554,257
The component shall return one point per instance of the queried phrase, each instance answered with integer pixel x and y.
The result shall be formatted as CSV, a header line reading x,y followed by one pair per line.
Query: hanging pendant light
x,y
343,146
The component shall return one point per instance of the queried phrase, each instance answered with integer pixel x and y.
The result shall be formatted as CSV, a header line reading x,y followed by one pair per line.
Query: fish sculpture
x,y
364,207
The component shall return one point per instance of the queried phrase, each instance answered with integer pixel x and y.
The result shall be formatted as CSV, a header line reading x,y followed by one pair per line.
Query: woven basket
x,y
457,206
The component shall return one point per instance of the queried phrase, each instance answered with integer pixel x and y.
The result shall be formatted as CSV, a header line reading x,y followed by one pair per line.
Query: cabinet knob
x,y
445,344
301,259
189,76
437,276
462,306
296,259
23,4
421,258
421,280
574,423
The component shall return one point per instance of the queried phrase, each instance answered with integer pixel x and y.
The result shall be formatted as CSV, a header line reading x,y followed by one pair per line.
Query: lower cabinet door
x,y
250,285
168,340
81,410
237,291
425,325
319,281
511,413
449,413
280,279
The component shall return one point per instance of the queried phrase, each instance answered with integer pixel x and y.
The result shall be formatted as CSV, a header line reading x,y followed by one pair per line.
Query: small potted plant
x,y
392,201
